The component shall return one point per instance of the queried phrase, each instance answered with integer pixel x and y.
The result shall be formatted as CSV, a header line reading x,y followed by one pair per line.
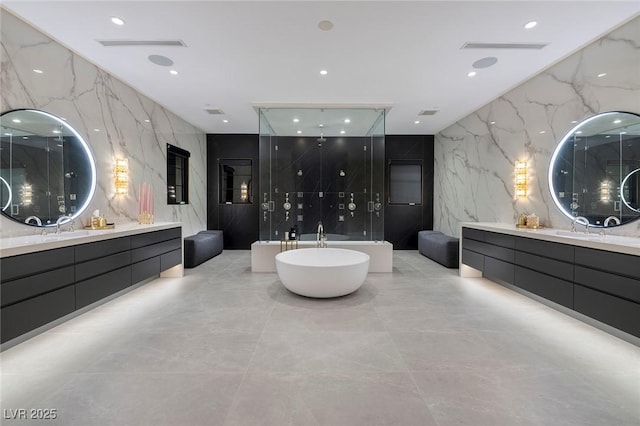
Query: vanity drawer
x,y
33,263
99,287
618,263
155,237
494,268
30,314
171,259
545,265
614,311
473,259
502,240
100,266
35,285
90,251
487,249
563,252
551,288
616,285
153,250
146,269
474,234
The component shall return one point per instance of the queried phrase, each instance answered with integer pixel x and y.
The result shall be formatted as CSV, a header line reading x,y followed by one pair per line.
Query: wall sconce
x,y
121,173
27,194
521,179
244,191
606,187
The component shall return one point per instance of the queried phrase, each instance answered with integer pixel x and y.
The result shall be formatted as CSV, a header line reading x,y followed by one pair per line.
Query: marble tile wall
x,y
475,160
130,125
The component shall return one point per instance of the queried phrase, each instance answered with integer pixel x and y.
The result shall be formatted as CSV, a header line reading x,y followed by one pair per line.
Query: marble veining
x,y
475,157
129,125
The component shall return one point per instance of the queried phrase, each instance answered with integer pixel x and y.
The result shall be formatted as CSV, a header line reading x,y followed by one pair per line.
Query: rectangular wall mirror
x,y
177,175
405,182
235,181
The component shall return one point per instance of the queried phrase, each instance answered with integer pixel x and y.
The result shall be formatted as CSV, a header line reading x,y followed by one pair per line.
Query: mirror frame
x,y
89,155
557,151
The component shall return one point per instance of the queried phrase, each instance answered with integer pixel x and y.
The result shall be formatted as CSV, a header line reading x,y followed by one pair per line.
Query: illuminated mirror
x,y
46,168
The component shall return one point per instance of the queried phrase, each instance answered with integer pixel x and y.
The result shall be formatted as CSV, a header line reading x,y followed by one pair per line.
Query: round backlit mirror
x,y
594,170
46,168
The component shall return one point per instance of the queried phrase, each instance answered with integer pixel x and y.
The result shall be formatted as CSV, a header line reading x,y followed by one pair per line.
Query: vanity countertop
x,y
614,243
13,246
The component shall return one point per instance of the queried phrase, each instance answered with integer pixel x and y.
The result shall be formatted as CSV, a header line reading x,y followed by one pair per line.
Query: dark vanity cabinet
x,y
600,284
40,287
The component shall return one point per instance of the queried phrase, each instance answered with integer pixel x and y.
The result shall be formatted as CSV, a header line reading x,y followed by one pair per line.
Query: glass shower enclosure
x,y
322,165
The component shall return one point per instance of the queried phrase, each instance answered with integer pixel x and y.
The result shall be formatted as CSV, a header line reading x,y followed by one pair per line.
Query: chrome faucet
x,y
36,218
607,221
321,238
61,221
581,220
611,219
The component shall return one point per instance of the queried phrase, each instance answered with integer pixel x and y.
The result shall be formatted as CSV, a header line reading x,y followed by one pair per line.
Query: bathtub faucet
x,y
321,237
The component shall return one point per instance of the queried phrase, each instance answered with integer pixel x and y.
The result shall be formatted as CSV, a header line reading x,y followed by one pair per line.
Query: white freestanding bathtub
x,y
322,272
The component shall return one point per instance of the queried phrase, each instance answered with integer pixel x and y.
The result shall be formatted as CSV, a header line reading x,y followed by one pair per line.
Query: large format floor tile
x,y
420,346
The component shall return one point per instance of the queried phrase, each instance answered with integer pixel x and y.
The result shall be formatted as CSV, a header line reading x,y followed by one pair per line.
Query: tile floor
x,y
421,346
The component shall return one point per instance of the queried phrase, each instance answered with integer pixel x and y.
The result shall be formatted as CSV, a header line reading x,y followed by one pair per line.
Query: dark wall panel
x,y
239,222
402,222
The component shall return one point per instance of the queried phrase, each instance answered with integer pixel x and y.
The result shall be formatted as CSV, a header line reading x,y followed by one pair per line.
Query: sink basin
x,y
63,236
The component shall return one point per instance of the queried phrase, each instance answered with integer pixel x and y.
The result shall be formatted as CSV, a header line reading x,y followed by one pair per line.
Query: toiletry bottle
x,y
292,233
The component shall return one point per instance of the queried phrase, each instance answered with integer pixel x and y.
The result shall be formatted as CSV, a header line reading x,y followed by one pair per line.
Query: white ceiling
x,y
402,55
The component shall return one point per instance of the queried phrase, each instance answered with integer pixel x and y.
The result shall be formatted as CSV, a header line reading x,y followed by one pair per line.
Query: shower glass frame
x,y
322,165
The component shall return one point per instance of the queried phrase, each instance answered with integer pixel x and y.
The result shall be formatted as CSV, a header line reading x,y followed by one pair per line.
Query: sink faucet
x,y
36,218
614,219
61,221
611,219
321,238
581,220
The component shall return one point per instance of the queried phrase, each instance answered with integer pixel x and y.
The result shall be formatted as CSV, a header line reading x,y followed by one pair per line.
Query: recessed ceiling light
x,y
325,25
324,72
17,120
296,120
37,71
225,121
542,132
342,132
147,121
614,121
299,132
602,74
173,72
347,120
530,24
416,122
96,130
471,74
117,21
574,121
493,122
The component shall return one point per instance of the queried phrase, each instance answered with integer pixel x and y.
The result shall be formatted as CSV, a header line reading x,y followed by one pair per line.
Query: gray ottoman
x,y
439,247
201,247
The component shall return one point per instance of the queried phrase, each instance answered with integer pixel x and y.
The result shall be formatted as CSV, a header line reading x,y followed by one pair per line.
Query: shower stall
x,y
322,165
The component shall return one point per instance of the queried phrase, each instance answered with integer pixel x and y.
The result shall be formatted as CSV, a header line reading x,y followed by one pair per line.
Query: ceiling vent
x,y
155,43
526,46
214,111
428,112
